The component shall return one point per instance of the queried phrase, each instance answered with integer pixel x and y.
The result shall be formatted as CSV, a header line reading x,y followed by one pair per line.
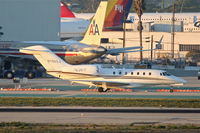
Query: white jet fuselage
x,y
99,75
116,77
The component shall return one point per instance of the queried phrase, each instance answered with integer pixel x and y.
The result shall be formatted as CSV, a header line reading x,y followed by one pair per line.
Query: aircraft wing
x,y
120,50
108,83
139,50
50,42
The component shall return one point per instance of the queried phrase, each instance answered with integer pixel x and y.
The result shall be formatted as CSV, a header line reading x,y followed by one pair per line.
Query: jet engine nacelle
x,y
197,24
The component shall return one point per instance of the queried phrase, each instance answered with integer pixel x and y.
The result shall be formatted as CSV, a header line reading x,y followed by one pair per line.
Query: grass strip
x,y
100,102
20,127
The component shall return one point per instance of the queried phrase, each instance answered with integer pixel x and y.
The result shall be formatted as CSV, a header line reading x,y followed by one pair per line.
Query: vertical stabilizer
x,y
46,57
65,12
94,31
117,11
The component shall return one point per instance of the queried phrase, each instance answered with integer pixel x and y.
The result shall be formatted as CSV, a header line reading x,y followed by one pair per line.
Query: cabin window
x,y
138,73
143,73
163,74
149,73
160,74
104,40
120,73
113,73
131,73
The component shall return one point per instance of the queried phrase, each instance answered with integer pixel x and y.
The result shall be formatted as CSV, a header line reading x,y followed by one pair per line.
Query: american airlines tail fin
x,y
94,31
46,57
65,12
116,11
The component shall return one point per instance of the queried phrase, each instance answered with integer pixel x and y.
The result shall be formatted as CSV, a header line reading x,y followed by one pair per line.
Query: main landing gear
x,y
101,89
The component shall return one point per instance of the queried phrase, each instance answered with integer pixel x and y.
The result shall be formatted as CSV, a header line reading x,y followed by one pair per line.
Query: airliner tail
x,y
94,31
65,12
117,11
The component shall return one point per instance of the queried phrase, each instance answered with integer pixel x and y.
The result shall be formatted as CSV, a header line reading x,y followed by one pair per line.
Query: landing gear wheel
x,y
100,89
30,75
9,75
171,90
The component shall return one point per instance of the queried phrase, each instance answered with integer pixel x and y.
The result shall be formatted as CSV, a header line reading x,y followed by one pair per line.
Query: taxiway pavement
x,y
48,82
100,115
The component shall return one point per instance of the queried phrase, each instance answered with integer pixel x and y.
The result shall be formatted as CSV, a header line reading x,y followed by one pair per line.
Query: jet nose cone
x,y
180,80
184,81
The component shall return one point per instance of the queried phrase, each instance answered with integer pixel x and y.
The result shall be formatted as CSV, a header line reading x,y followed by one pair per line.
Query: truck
x,y
11,67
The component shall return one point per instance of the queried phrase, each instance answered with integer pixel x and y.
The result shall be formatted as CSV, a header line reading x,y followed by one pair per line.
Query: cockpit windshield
x,y
165,74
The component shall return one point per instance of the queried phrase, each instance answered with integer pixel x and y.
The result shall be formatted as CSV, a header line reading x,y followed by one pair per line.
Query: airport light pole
x,y
150,40
152,47
124,35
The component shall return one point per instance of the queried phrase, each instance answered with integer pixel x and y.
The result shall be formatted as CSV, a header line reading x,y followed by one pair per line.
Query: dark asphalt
x,y
96,110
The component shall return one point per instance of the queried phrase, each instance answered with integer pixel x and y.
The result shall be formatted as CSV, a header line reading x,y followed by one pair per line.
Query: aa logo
x,y
94,29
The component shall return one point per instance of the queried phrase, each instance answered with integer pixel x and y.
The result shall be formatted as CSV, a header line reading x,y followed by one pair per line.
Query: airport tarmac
x,y
82,116
48,82
67,90
59,94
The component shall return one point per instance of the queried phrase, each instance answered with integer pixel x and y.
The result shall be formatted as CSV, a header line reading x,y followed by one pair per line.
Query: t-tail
x,y
94,31
46,57
117,11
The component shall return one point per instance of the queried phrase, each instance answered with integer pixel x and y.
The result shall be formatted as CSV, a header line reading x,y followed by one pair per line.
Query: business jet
x,y
74,52
98,76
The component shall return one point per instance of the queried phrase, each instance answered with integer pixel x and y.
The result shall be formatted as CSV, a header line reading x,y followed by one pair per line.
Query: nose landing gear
x,y
171,90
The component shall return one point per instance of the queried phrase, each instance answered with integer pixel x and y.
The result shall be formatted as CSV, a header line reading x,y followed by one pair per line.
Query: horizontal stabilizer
x,y
120,50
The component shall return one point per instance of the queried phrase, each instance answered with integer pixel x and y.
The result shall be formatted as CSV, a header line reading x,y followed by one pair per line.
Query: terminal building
x,y
156,25
184,42
29,20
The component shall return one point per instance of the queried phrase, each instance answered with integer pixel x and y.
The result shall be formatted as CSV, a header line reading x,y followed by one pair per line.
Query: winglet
x,y
94,31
